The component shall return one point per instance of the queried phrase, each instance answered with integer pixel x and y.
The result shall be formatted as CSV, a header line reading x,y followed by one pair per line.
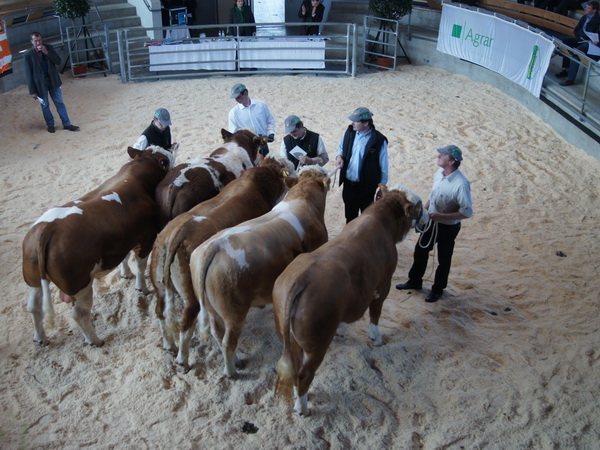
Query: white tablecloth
x,y
208,55
288,53
178,33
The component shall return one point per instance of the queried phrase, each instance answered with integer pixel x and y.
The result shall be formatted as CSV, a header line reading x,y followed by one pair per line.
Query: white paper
x,y
593,36
297,152
593,50
41,100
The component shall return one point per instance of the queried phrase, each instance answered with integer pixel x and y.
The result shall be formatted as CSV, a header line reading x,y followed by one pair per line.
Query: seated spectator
x,y
311,12
589,22
242,13
564,6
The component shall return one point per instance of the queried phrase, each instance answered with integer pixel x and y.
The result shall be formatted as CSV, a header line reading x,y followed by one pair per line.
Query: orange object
x,y
5,54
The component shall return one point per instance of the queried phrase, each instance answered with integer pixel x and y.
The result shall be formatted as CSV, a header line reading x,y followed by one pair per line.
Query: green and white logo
x,y
475,39
456,31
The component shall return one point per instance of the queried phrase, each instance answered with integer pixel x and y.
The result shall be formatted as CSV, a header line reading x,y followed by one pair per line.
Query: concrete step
x,y
110,12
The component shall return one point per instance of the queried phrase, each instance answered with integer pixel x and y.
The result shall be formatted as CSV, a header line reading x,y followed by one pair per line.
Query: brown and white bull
x,y
85,239
193,182
236,268
254,193
334,285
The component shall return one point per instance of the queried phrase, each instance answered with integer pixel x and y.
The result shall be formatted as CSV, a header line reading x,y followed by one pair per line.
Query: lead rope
x,y
432,238
333,174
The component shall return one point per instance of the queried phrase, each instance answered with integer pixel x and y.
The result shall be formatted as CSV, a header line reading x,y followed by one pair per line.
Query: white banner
x,y
518,54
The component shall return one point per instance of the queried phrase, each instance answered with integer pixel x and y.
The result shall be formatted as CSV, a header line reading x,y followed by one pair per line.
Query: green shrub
x,y
71,9
390,9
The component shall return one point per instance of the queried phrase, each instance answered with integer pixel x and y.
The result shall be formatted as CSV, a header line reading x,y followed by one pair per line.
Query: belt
x,y
352,183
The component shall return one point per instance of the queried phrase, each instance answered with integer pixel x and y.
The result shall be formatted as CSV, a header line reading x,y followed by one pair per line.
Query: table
x,y
178,33
286,53
206,55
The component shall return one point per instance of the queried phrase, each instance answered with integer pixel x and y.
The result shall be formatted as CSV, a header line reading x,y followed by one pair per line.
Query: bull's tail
x,y
288,365
174,249
166,202
47,305
163,256
199,282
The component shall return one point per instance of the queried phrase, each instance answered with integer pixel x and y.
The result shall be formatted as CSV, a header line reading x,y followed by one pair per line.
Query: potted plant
x,y
391,10
72,9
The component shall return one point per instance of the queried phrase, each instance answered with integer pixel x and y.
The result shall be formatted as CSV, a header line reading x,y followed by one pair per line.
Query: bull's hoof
x,y
143,291
97,344
42,342
377,342
182,368
171,350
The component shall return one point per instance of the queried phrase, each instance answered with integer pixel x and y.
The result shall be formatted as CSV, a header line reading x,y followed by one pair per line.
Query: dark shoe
x,y
408,285
51,129
567,83
71,128
562,74
433,297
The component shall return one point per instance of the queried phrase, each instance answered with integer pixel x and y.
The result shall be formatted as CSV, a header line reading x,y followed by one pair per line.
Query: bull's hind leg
x,y
124,268
229,346
300,403
168,324
140,275
81,312
313,357
34,306
183,356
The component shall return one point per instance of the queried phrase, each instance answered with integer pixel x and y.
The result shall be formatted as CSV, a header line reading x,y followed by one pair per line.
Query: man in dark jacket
x,y
589,22
302,146
157,133
42,79
363,159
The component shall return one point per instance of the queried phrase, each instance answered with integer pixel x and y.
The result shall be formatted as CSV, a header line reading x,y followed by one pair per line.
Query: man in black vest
x,y
158,133
43,81
301,145
363,159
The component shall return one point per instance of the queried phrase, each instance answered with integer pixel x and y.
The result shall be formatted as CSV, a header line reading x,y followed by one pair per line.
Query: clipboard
x,y
297,152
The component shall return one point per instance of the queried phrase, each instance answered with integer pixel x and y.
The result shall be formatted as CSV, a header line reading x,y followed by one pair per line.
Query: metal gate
x,y
88,49
381,40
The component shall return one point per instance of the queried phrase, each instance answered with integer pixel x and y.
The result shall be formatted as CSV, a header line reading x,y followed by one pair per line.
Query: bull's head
x,y
164,158
413,210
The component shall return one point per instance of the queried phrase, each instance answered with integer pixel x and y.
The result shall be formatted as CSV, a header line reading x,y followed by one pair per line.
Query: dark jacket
x,y
157,137
37,81
370,171
308,17
593,26
309,143
242,16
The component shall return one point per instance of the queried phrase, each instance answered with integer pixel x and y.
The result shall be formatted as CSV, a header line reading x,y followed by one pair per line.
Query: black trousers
x,y
356,198
446,235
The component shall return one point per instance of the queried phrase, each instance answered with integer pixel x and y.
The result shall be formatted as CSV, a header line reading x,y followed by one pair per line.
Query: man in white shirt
x,y
448,203
252,114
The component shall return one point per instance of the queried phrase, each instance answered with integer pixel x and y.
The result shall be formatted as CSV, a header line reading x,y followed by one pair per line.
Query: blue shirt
x,y
358,152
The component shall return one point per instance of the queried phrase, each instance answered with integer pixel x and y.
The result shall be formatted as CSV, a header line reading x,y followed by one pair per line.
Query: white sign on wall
x,y
518,54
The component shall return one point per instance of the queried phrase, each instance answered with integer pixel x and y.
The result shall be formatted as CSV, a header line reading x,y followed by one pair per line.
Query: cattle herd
x,y
224,233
